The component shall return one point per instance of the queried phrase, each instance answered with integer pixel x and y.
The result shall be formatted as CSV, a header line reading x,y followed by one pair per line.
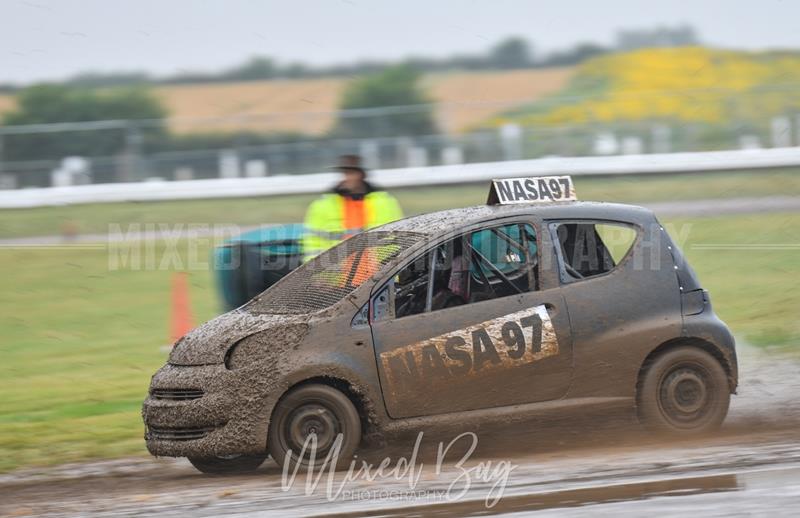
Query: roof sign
x,y
543,189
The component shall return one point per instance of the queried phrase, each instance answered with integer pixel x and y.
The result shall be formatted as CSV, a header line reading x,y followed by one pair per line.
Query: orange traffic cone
x,y
181,321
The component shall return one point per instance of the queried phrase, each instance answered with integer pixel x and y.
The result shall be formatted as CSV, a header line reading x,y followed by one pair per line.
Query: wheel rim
x,y
307,420
686,395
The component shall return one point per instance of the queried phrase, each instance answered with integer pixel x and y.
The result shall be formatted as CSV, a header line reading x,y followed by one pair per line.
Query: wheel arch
x,y
684,341
344,384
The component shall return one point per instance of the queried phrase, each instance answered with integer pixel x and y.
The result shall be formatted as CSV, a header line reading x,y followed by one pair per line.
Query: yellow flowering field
x,y
687,84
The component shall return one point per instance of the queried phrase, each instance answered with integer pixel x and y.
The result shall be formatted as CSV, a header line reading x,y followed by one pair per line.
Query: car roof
x,y
444,220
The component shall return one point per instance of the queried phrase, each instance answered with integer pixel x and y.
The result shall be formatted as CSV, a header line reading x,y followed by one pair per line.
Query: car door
x,y
470,324
622,296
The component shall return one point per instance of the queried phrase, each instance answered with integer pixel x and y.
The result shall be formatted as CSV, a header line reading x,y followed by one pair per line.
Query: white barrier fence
x,y
435,175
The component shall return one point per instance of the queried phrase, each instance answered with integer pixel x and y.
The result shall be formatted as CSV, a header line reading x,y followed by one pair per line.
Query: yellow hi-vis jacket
x,y
325,220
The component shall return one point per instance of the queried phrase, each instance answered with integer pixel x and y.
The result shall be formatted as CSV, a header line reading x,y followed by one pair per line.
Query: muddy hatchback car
x,y
525,306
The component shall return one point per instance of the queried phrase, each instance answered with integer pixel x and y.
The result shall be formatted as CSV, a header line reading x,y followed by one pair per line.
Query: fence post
x,y
256,169
403,146
370,153
183,174
7,181
452,155
417,156
228,164
511,137
781,131
797,128
130,162
662,138
4,180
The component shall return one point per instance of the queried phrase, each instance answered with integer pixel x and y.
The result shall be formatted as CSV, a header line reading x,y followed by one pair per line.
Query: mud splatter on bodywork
x,y
208,343
228,411
216,394
528,336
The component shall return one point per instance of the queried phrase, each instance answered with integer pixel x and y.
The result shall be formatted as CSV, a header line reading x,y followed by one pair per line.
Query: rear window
x,y
334,274
591,248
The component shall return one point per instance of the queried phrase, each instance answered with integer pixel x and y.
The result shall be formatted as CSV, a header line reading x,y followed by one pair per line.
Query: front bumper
x,y
206,411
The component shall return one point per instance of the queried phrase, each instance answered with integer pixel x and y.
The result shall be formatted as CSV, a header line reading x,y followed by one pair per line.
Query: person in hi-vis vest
x,y
353,206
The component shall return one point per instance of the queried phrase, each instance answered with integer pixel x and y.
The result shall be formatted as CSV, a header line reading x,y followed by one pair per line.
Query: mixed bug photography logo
x,y
399,478
188,247
164,247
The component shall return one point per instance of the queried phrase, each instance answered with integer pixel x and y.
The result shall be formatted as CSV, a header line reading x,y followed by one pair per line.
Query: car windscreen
x,y
334,274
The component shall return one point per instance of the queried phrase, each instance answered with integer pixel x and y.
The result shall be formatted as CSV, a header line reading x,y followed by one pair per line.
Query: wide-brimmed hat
x,y
350,162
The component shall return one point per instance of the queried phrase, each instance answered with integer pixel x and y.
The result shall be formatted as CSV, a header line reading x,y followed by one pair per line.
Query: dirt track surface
x,y
577,467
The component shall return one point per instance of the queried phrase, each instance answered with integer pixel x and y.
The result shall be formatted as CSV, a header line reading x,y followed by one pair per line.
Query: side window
x,y
483,265
587,249
411,287
504,261
617,238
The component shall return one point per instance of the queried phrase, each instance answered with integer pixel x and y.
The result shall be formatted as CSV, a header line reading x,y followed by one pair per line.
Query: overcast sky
x,y
51,39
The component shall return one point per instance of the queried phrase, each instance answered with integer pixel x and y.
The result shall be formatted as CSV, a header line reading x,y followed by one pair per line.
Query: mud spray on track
x,y
601,463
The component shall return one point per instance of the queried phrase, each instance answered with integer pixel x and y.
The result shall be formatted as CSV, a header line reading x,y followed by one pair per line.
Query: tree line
x,y
145,130
88,98
514,52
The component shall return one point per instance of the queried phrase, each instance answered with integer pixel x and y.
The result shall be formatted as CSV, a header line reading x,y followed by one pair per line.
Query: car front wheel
x,y
311,423
683,391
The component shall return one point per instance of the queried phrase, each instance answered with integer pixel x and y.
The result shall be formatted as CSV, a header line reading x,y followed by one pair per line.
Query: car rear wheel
x,y
227,465
313,414
683,391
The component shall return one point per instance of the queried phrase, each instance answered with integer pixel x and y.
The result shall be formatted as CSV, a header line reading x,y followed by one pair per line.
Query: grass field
x,y
80,341
254,211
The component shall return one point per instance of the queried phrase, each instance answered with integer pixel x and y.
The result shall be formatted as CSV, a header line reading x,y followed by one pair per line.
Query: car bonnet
x,y
208,343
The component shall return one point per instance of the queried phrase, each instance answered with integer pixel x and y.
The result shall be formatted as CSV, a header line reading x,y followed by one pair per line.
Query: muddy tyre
x,y
314,409
228,465
683,391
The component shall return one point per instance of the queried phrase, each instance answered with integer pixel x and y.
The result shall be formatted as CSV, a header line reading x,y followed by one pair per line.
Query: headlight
x,y
242,353
263,346
180,342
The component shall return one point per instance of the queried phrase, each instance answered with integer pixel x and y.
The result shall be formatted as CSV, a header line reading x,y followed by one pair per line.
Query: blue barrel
x,y
253,261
